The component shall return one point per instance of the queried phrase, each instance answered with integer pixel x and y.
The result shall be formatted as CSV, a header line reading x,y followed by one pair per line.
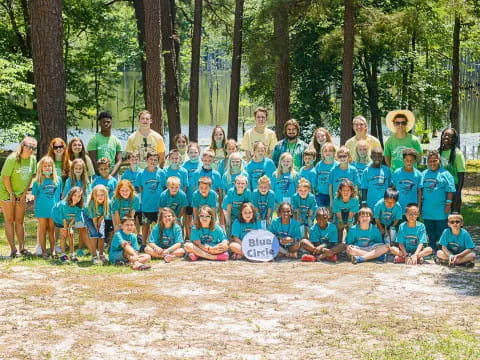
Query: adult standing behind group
x,y
259,133
400,122
360,126
17,174
104,144
291,143
145,139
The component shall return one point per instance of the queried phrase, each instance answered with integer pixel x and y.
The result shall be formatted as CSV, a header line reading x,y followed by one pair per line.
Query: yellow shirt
x,y
142,144
269,138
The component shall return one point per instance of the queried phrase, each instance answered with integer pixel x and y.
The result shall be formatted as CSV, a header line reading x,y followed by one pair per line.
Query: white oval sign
x,y
260,245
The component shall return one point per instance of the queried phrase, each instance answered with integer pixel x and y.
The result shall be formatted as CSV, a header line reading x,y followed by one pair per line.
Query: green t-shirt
x,y
458,165
20,174
105,146
394,149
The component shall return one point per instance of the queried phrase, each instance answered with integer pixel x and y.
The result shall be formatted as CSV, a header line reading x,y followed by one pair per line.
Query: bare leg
x,y
236,248
51,235
42,233
19,228
191,248
368,255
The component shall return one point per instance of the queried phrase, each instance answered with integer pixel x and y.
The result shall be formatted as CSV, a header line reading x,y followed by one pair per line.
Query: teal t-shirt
x,y
263,203
387,215
47,194
20,173
407,184
435,186
207,236
338,206
181,173
236,200
411,237
240,229
151,184
62,211
256,169
284,187
364,238
124,206
323,171
211,200
305,206
176,203
456,243
170,236
118,239
324,236
375,181
292,229
105,146
394,149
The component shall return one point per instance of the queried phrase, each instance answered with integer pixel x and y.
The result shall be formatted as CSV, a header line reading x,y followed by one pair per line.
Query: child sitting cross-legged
x,y
246,222
323,243
457,244
411,239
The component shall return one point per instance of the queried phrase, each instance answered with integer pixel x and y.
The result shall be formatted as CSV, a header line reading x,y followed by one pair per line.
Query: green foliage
x,y
16,133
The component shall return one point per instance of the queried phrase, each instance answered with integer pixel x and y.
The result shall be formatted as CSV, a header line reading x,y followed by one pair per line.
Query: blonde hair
x,y
455,217
278,172
228,172
356,156
40,178
344,149
92,199
264,180
83,177
20,149
172,180
328,145
304,183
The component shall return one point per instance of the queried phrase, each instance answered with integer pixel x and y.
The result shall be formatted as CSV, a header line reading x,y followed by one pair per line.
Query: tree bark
x,y
172,94
236,71
140,19
282,68
153,51
195,71
49,70
347,76
455,109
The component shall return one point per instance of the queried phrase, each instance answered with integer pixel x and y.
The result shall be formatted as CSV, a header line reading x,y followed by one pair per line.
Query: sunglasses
x,y
30,147
204,216
342,156
56,147
454,222
400,123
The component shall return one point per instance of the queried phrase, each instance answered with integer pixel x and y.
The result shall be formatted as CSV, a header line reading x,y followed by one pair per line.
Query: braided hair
x,y
455,145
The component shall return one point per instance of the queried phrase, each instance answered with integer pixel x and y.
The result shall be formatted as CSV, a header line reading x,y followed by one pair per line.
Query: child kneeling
x,y
457,244
124,248
323,243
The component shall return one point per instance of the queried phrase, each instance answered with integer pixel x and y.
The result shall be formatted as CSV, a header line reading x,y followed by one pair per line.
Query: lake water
x,y
122,98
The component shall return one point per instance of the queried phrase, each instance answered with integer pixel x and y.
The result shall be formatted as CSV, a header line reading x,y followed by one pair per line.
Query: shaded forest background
x,y
319,61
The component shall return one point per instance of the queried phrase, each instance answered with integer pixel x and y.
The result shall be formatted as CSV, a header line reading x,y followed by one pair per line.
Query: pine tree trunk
x,y
282,72
153,50
236,71
49,70
195,71
172,95
455,110
140,19
347,76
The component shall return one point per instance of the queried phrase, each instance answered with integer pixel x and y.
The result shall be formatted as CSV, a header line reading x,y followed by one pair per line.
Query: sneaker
x,y
38,250
382,258
80,253
64,259
96,261
399,260
74,258
223,256
58,249
103,259
308,258
358,259
332,258
142,248
193,257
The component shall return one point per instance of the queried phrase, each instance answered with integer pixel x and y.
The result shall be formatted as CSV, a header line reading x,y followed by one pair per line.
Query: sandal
x,y
141,267
25,252
45,256
13,254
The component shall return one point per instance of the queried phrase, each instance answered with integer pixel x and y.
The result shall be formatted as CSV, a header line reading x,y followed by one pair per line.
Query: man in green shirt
x,y
400,122
291,144
104,144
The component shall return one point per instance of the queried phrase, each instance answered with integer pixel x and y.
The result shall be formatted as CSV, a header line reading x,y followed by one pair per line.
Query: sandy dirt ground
x,y
233,310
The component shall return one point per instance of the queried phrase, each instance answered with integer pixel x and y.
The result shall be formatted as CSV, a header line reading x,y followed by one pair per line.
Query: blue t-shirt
x,y
324,236
151,184
407,184
305,206
364,238
352,205
360,166
263,203
207,236
456,243
124,206
310,175
191,167
180,173
386,215
375,181
323,171
284,187
170,236
110,184
93,212
435,186
257,169
176,203
118,239
211,200
46,195
62,211
240,229
68,186
227,185
411,237
236,200
291,229
130,176
212,174
338,175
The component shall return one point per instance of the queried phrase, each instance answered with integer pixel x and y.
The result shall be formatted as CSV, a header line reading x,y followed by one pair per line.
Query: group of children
x,y
341,203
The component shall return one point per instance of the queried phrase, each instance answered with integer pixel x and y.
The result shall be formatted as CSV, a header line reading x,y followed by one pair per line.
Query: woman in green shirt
x,y
17,174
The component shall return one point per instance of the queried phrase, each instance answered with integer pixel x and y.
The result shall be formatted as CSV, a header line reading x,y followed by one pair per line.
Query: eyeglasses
x,y
342,156
56,147
400,123
454,222
205,216
412,214
31,147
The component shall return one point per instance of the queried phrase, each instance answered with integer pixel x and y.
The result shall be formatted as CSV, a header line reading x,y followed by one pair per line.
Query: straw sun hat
x,y
407,113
